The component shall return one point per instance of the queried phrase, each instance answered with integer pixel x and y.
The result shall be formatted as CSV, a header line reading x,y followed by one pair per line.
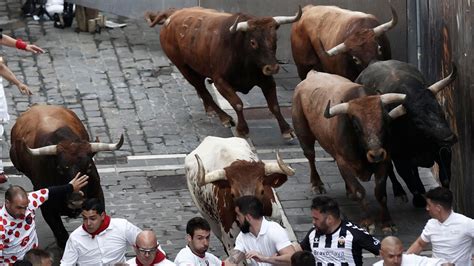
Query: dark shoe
x,y
3,178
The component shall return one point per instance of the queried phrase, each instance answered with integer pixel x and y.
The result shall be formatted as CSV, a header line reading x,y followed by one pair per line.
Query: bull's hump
x,y
198,13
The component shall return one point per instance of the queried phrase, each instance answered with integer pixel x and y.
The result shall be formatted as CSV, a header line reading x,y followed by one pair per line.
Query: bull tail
x,y
154,18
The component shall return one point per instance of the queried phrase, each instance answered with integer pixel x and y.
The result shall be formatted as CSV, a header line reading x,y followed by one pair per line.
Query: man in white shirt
x,y
101,239
198,234
260,241
451,234
391,251
148,251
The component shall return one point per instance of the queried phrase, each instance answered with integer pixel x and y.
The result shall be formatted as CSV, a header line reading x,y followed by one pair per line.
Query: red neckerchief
x,y
159,257
101,228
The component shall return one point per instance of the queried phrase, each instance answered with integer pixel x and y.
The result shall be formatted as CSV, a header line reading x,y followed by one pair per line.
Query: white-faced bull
x,y
353,40
220,170
236,51
354,132
50,145
421,137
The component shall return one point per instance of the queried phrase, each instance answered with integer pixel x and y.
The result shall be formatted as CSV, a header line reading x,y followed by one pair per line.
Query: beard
x,y
245,227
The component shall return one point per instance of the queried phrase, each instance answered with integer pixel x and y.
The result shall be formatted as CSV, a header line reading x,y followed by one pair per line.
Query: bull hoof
x,y
289,135
228,123
402,199
419,201
371,228
319,189
389,230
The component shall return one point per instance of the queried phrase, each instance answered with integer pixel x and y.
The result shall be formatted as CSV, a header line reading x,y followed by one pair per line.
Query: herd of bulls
x,y
364,109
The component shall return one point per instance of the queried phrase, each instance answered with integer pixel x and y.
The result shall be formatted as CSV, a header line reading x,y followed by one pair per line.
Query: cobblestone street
x,y
120,81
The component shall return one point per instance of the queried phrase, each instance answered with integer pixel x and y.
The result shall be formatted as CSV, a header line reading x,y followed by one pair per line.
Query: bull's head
x,y
260,39
362,46
426,112
72,157
247,178
367,118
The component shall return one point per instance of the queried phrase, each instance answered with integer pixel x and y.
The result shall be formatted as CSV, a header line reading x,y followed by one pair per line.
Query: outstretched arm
x,y
18,43
284,256
6,73
417,246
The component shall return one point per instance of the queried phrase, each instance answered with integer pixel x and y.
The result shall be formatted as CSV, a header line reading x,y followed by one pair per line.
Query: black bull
x,y
421,137
50,145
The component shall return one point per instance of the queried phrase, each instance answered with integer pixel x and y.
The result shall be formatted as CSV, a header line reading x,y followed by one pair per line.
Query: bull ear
x,y
379,30
440,85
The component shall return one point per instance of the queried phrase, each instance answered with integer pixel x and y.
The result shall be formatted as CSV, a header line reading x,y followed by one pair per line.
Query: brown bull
x,y
236,51
50,145
354,132
354,39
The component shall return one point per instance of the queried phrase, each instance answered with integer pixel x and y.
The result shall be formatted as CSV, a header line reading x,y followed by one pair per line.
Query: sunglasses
x,y
147,250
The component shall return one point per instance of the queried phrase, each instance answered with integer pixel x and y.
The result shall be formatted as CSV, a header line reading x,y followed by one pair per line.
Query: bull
x,y
236,51
354,132
50,145
421,137
220,170
354,40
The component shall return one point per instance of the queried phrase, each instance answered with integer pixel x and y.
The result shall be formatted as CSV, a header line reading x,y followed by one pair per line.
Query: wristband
x,y
20,44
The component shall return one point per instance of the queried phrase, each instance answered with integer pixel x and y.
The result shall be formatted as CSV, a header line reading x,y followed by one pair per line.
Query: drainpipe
x,y
418,35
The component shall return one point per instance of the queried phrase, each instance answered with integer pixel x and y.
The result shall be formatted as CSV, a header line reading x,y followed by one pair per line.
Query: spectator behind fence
x,y
391,252
333,240
303,258
451,234
39,257
198,234
17,216
260,241
149,251
100,239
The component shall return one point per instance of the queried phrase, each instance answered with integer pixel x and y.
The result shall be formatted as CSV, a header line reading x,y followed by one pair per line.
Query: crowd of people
x,y
333,240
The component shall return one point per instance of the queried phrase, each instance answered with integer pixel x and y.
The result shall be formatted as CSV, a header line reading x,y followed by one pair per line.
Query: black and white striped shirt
x,y
343,247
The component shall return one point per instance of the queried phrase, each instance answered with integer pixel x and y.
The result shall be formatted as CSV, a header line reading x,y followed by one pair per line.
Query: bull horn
x,y
389,98
340,48
47,150
336,109
96,147
288,19
397,111
379,30
239,26
203,178
279,167
438,86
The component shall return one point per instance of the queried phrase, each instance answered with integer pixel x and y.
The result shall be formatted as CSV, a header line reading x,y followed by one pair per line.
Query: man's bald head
x,y
15,191
146,238
391,250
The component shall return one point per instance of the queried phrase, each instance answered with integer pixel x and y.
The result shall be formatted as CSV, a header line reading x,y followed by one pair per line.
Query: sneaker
x,y
3,178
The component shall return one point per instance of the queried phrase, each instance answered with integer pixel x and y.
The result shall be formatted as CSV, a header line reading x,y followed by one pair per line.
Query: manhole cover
x,y
166,183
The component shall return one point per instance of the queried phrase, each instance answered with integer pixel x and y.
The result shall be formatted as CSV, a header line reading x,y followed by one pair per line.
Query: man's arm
x,y
236,256
19,44
70,254
75,185
417,246
283,257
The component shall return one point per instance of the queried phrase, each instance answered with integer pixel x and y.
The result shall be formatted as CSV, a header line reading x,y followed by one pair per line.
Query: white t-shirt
x,y
451,240
19,235
186,257
271,239
108,247
415,260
